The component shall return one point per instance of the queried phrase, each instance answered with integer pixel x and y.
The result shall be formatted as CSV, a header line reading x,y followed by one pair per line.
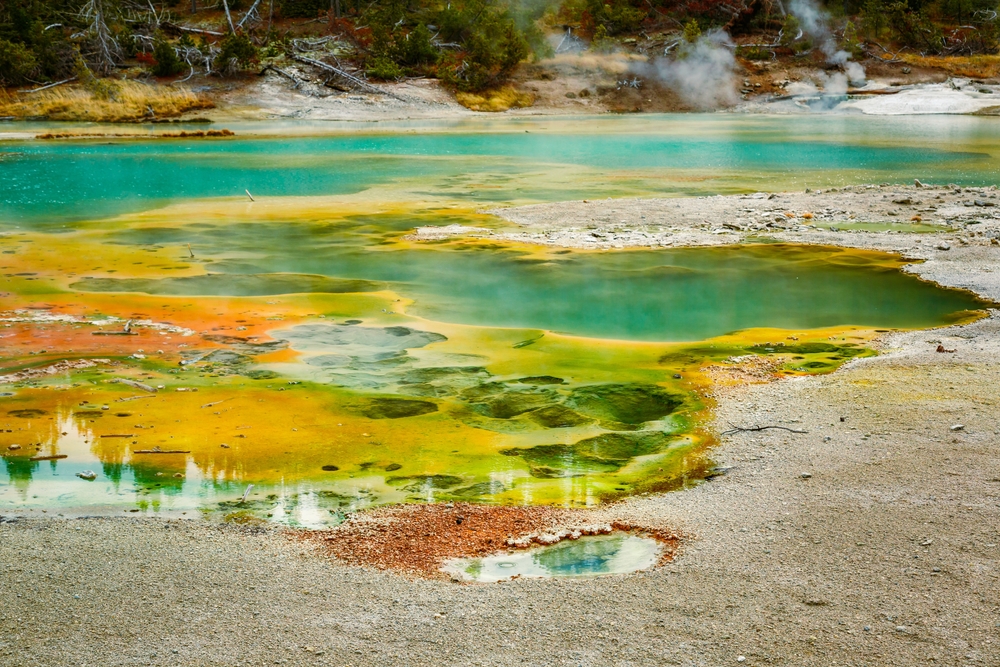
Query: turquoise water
x,y
310,464
585,557
661,295
515,160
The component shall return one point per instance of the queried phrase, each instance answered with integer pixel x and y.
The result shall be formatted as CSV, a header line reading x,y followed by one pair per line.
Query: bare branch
x,y
250,12
751,429
51,85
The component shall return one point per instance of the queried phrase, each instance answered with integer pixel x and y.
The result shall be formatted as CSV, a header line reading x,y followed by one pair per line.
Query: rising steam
x,y
703,74
815,22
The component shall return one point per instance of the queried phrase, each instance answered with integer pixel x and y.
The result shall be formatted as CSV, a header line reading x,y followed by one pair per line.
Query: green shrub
x,y
754,53
601,42
493,47
166,62
692,31
417,48
237,52
616,16
850,41
914,28
383,68
303,8
17,63
790,29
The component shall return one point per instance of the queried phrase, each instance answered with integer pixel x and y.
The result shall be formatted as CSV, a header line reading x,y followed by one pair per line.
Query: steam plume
x,y
814,22
703,74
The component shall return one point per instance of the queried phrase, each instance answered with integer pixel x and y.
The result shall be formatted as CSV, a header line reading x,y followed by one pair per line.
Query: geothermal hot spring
x,y
166,343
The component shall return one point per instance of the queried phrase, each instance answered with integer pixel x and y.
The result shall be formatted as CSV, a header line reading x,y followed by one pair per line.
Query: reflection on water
x,y
587,556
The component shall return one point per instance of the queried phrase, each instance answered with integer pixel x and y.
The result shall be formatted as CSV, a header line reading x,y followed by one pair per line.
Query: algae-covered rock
x,y
481,489
434,374
416,483
261,374
441,380
396,408
483,390
629,404
540,379
225,357
513,403
844,350
558,416
622,446
30,412
608,452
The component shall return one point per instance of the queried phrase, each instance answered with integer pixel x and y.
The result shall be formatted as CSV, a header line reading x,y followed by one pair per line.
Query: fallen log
x,y
137,385
118,435
51,85
51,457
197,31
879,91
349,78
277,70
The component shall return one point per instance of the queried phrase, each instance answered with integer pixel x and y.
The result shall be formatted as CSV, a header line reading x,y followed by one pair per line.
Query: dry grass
x,y
109,101
976,67
502,99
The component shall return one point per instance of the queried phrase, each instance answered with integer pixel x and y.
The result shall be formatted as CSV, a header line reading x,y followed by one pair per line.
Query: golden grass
x,y
113,102
501,99
976,67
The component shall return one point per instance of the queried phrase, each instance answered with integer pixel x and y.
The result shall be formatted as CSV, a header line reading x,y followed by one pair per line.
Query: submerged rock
x,y
30,412
540,379
558,416
396,408
417,483
608,452
627,404
513,403
481,489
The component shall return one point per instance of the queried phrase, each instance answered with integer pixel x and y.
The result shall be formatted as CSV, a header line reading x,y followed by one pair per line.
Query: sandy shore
x,y
872,539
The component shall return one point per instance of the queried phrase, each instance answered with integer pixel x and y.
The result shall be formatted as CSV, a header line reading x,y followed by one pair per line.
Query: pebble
x,y
805,475
958,427
741,658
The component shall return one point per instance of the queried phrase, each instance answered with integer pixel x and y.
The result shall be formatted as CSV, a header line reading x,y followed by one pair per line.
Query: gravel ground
x,y
872,539
947,214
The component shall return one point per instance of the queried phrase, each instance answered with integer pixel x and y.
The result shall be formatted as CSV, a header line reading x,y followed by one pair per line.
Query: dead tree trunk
x,y
107,50
229,17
